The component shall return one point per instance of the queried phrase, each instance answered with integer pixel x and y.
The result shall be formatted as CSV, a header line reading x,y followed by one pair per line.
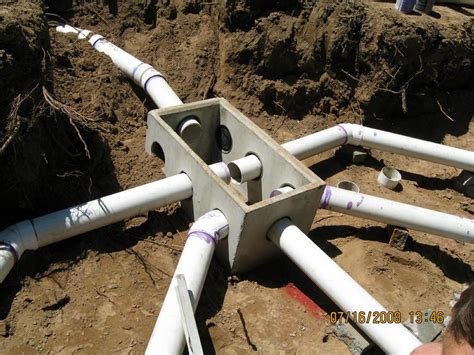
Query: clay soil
x,y
293,67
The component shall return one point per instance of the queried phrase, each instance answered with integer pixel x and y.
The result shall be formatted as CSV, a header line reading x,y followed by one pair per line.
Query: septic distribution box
x,y
218,132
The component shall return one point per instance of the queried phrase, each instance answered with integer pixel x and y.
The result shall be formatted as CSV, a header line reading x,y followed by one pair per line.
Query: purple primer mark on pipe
x,y
361,201
349,205
326,197
347,134
150,78
209,239
97,40
135,69
375,134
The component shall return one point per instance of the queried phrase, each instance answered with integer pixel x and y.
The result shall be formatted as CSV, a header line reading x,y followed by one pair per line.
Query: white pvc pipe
x,y
168,335
245,169
144,75
340,287
398,214
151,80
354,134
69,222
316,143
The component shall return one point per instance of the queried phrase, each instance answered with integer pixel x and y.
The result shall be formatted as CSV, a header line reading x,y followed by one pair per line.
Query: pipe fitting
x,y
94,40
13,242
246,169
211,227
222,170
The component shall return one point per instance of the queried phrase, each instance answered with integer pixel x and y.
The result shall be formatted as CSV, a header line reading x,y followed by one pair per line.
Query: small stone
x,y
77,97
354,154
169,235
4,328
233,279
398,237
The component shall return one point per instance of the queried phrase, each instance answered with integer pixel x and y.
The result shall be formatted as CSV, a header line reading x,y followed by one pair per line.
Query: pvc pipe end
x,y
348,185
245,169
235,172
190,130
389,177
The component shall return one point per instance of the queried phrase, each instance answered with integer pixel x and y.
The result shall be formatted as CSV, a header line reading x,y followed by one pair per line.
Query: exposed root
x,y
15,120
444,112
73,115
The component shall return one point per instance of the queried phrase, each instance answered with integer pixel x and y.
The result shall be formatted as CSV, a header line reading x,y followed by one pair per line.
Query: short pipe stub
x,y
389,177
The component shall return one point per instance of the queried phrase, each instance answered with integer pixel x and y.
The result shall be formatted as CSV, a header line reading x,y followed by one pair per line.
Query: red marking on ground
x,y
295,293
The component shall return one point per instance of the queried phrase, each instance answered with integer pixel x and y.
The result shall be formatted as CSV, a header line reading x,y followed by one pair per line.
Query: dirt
x,y
293,67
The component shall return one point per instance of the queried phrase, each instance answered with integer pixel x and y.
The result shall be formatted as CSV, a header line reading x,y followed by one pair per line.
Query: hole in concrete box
x,y
157,151
224,139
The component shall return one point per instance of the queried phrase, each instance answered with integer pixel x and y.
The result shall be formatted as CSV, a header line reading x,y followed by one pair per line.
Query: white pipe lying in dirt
x,y
340,287
354,134
144,75
168,334
54,227
398,214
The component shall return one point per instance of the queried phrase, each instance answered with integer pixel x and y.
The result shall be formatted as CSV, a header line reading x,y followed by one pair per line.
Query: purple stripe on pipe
x,y
135,70
349,205
209,239
347,134
97,40
275,193
152,77
326,197
7,246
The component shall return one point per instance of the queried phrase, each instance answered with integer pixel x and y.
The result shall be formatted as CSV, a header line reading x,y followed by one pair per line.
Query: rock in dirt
x,y
54,299
4,328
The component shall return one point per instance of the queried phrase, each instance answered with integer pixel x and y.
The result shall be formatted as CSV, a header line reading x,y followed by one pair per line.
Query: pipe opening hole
x,y
392,174
348,185
157,151
224,139
235,172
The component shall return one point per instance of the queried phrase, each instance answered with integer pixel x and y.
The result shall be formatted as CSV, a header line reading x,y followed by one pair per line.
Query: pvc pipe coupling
x,y
211,227
13,242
